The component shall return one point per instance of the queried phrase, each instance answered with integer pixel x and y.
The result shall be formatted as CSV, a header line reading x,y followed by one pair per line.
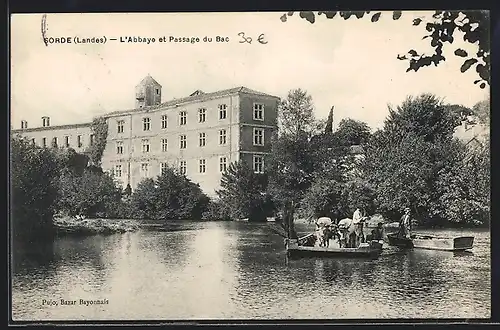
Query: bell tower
x,y
147,93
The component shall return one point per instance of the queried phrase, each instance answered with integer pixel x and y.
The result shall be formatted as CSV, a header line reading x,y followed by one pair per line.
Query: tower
x,y
147,93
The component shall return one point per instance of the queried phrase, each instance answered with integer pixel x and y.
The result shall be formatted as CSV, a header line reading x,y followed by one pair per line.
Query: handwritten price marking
x,y
247,39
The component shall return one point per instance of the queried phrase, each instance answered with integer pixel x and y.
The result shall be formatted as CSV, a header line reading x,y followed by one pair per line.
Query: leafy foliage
x,y
91,194
353,132
423,116
482,111
441,28
464,188
34,172
171,196
100,131
295,114
243,193
329,122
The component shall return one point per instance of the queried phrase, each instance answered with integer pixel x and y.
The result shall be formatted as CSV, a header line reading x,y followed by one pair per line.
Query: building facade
x,y
200,134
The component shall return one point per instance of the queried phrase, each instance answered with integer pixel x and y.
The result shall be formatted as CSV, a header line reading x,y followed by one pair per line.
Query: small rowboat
x,y
295,248
428,242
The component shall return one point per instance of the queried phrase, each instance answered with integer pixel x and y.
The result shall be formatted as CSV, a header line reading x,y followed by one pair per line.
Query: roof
x,y
473,132
357,149
49,128
194,97
148,80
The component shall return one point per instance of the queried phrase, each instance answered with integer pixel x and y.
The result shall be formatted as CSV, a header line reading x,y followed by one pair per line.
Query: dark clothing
x,y
377,234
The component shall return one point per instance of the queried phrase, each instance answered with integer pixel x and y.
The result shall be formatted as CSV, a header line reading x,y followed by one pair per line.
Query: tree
x,y
290,164
458,112
482,111
353,132
464,186
178,197
143,200
33,174
405,161
99,129
329,123
91,194
440,28
424,115
243,193
295,114
172,196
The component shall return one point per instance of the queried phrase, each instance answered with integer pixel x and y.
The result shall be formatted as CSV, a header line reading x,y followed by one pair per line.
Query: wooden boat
x,y
429,242
304,247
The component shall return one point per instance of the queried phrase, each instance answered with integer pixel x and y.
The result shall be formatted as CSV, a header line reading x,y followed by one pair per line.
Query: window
x,y
222,136
222,111
91,139
202,139
258,111
258,164
157,91
79,141
118,171
66,141
146,124
54,142
145,145
44,142
183,142
119,126
164,167
33,141
258,137
203,167
202,115
119,147
164,145
182,167
222,164
183,117
145,170
164,121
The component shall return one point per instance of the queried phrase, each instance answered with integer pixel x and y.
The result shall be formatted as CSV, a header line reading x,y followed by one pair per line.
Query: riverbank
x,y
75,226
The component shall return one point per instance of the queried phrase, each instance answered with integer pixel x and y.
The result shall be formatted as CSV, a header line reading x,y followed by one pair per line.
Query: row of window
x,y
258,114
67,141
258,140
258,167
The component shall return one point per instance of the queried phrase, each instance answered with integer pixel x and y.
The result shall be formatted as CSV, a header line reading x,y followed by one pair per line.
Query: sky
x,y
349,64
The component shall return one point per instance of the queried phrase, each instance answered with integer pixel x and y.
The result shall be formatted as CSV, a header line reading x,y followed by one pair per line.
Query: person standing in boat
x,y
405,224
357,220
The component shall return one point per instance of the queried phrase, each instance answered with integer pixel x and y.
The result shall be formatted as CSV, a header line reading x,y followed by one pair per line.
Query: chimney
x,y
45,121
24,124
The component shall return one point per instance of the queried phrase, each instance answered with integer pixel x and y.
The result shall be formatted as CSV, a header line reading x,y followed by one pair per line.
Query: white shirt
x,y
356,218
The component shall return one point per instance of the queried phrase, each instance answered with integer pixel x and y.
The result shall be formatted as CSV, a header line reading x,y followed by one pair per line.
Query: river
x,y
238,270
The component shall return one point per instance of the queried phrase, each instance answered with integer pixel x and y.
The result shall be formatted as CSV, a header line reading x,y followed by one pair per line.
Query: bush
x,y
171,196
90,195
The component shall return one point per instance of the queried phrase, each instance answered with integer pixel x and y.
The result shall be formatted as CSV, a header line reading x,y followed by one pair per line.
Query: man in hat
x,y
405,224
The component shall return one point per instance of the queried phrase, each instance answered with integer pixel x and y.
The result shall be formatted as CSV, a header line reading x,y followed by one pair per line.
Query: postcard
x,y
250,166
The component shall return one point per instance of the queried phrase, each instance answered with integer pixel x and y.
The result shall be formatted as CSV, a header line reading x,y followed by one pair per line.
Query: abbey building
x,y
200,134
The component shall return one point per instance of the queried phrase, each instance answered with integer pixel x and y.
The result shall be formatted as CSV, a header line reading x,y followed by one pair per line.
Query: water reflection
x,y
239,270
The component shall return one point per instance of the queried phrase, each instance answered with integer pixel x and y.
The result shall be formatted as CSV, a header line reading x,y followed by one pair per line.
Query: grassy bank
x,y
75,226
